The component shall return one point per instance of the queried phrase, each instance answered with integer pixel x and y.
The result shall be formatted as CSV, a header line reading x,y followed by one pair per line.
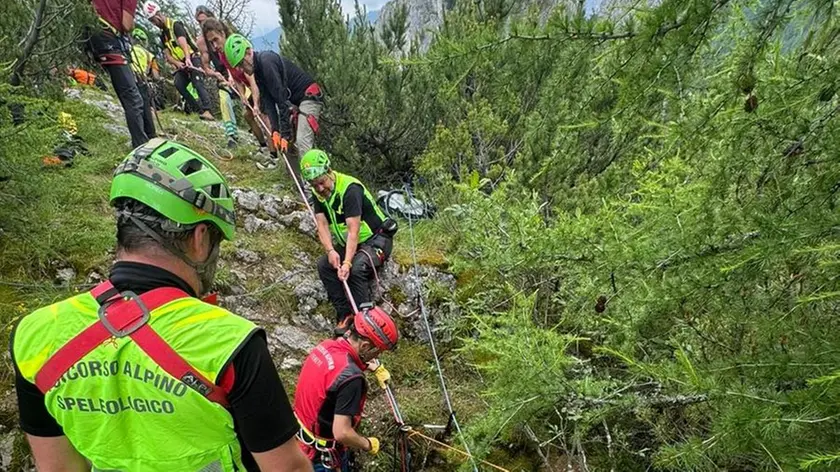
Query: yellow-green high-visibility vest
x,y
119,408
335,210
170,41
141,60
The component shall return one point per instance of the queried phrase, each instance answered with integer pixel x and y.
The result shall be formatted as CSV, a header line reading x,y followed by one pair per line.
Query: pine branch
x,y
66,45
732,243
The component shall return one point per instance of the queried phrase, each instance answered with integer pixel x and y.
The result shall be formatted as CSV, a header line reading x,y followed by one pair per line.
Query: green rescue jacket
x,y
335,210
120,409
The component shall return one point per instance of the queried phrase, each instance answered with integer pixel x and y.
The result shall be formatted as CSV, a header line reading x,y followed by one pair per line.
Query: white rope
x,y
432,338
270,135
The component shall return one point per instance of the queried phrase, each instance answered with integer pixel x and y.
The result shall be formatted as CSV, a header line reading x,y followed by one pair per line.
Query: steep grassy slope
x,y
57,238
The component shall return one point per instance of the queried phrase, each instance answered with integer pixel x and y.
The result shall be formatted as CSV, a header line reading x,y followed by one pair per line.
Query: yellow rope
x,y
447,446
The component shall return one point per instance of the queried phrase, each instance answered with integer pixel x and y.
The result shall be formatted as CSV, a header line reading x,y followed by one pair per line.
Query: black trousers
x,y
148,117
379,248
186,76
103,43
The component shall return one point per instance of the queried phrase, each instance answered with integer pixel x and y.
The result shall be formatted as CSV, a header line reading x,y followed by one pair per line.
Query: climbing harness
x,y
327,449
382,287
124,314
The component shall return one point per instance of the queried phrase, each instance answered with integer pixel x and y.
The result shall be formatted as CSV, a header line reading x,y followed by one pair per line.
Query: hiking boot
x,y
267,164
231,144
207,116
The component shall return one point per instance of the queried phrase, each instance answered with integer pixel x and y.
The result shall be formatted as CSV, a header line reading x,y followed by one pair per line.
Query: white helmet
x,y
150,9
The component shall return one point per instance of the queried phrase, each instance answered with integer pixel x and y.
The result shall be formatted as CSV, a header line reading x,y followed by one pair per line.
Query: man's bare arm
x,y
182,41
344,433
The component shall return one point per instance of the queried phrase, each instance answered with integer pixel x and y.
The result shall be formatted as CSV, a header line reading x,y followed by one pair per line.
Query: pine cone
x,y
601,304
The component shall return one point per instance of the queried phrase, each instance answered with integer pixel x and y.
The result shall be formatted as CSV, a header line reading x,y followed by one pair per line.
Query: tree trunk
x,y
29,44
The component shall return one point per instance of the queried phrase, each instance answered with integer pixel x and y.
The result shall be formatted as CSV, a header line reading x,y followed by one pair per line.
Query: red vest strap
x,y
127,315
162,353
100,289
69,354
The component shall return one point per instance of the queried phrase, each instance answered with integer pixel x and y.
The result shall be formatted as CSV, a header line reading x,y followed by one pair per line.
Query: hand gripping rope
x,y
292,172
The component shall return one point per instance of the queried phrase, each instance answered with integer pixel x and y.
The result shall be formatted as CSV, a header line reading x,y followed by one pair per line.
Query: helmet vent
x,y
191,166
216,191
167,152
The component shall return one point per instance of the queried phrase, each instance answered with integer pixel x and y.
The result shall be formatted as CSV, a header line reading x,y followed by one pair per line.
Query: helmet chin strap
x,y
199,267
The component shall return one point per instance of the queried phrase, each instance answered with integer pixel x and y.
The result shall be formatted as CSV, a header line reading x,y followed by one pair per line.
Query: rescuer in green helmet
x,y
288,95
355,233
139,373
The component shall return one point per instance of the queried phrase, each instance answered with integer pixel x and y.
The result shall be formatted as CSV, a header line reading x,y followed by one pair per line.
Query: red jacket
x,y
329,366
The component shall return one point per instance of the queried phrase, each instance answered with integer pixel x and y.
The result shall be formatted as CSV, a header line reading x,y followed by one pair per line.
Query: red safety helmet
x,y
378,326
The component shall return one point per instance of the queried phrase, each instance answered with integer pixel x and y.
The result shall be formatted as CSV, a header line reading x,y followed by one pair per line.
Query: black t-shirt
x,y
355,204
281,83
347,401
263,418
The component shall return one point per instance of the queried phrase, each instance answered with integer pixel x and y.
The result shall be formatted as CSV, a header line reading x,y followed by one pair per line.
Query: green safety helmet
x,y
235,48
139,34
314,164
178,183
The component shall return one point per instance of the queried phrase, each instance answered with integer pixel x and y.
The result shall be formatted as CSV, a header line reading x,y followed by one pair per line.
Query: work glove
x,y
374,445
382,376
280,142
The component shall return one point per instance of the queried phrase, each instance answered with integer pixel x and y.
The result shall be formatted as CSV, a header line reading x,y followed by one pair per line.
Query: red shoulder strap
x,y
121,316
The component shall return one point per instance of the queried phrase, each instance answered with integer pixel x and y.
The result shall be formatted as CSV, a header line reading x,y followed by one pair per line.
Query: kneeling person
x,y
332,389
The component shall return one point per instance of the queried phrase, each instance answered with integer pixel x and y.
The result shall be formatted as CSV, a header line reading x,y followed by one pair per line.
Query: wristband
x,y
348,264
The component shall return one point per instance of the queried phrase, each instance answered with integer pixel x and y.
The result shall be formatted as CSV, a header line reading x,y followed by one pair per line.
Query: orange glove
x,y
280,142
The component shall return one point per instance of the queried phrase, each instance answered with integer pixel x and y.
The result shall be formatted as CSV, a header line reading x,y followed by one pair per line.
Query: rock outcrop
x,y
269,213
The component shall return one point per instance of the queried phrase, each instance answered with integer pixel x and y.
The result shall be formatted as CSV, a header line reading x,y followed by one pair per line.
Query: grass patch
x,y
280,299
56,215
284,247
396,295
430,242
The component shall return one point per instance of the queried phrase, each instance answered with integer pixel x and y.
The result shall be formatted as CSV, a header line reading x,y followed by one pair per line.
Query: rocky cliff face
x,y
424,19
426,16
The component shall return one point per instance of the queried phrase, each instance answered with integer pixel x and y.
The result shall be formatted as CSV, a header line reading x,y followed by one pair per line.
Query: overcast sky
x,y
267,18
